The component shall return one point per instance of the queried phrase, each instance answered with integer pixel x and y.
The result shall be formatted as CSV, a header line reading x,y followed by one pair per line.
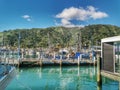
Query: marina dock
x,y
45,61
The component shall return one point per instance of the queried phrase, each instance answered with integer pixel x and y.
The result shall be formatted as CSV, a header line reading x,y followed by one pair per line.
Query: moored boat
x,y
7,73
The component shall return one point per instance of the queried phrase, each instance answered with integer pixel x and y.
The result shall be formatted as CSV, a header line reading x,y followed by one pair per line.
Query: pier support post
x,y
41,61
60,63
93,61
60,60
99,78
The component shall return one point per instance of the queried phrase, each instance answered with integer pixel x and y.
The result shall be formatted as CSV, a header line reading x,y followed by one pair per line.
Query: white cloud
x,y
65,22
98,15
27,17
80,14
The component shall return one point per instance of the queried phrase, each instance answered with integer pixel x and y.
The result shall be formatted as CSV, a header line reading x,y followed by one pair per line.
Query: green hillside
x,y
57,36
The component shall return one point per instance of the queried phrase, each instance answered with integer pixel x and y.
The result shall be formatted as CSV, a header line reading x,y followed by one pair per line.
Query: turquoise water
x,y
56,78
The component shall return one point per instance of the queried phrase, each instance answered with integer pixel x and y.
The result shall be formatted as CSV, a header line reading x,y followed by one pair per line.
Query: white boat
x,y
7,73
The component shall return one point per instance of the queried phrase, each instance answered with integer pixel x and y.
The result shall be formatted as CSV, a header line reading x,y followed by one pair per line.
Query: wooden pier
x,y
113,76
41,62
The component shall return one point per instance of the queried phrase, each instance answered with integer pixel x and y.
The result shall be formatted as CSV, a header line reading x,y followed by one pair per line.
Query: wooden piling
x,y
40,62
99,78
41,58
60,61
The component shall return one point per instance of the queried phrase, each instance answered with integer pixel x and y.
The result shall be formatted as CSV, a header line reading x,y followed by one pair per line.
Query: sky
x,y
20,14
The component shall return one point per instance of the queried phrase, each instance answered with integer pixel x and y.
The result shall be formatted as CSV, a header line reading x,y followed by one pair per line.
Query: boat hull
x,y
5,80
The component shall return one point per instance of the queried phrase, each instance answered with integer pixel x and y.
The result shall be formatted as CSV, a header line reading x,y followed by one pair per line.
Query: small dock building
x,y
110,54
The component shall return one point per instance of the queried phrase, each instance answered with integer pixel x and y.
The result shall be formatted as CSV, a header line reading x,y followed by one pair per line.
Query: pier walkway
x,y
45,61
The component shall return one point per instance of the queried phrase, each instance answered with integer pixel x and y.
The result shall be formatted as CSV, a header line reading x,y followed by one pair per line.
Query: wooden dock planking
x,y
113,76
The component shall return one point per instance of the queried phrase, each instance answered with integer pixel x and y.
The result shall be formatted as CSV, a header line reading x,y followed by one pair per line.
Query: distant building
x,y
111,54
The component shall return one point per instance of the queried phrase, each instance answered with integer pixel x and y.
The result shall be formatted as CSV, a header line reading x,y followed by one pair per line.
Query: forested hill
x,y
54,36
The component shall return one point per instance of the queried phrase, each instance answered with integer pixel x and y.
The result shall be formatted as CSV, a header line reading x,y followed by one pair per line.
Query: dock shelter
x,y
110,54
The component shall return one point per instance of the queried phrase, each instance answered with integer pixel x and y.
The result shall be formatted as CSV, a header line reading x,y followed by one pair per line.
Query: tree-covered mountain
x,y
57,36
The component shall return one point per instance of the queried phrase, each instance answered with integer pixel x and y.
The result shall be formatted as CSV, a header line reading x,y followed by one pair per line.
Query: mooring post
x,y
41,61
99,78
60,60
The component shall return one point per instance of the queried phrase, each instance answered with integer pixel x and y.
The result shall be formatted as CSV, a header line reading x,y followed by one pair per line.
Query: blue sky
x,y
45,13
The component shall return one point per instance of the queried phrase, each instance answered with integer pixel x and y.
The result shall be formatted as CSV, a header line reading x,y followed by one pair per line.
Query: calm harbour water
x,y
56,78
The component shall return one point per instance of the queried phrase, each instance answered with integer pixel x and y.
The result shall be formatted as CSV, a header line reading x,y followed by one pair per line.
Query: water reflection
x,y
60,70
40,72
108,84
60,78
119,85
